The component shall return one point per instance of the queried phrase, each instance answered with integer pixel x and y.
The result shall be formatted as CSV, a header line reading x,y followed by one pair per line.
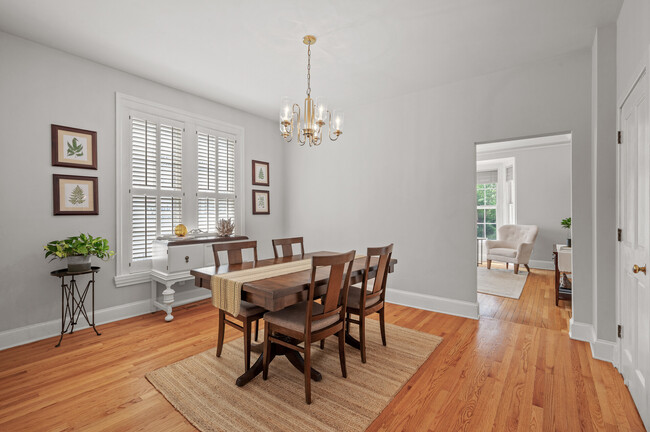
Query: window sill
x,y
132,279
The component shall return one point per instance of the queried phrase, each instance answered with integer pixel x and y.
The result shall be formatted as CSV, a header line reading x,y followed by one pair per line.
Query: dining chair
x,y
248,312
363,302
309,321
287,246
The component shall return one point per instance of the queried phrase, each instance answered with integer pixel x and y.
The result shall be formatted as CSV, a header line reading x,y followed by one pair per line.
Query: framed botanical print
x,y
75,195
260,173
261,202
75,148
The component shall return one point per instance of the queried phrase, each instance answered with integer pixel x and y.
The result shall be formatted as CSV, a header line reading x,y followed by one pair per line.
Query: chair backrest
x,y
517,234
234,251
338,284
384,255
287,246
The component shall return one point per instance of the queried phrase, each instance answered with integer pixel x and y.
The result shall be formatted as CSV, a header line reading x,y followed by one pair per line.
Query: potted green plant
x,y
77,250
566,223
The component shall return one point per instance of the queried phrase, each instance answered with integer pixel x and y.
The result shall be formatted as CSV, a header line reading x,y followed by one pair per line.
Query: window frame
x,y
506,207
125,107
488,207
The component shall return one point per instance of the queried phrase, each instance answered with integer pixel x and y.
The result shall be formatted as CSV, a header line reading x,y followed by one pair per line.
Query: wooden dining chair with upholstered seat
x,y
287,246
309,321
248,312
363,302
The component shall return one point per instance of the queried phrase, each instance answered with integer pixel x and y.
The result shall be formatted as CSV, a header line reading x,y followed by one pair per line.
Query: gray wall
x,y
603,153
543,193
40,86
403,172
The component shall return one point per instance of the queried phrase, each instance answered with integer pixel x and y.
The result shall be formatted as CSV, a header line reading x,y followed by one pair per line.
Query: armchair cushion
x,y
504,252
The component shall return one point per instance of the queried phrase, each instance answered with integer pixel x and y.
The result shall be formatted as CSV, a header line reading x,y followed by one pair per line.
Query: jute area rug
x,y
500,282
202,387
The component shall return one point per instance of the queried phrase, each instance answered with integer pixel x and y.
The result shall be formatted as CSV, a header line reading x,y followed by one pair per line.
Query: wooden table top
x,y
281,291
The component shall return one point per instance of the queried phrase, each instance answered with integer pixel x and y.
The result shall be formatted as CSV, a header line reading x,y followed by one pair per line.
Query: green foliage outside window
x,y
486,217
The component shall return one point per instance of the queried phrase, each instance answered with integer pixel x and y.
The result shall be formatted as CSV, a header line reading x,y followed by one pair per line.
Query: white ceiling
x,y
248,54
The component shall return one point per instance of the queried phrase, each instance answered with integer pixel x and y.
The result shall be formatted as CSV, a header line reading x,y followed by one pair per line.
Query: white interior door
x,y
634,308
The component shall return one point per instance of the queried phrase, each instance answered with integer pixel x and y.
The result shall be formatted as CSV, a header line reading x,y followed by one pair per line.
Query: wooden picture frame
x,y
75,195
260,173
261,203
74,148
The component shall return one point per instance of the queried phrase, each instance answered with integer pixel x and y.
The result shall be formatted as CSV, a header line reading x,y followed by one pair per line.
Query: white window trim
x,y
124,105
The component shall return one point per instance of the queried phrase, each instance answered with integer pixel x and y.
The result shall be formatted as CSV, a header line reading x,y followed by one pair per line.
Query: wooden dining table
x,y
279,292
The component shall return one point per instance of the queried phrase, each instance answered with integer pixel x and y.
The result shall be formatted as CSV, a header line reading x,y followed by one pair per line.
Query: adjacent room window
x,y
177,168
486,204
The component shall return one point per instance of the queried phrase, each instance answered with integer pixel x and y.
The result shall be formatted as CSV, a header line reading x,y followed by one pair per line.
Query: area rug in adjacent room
x,y
202,387
500,282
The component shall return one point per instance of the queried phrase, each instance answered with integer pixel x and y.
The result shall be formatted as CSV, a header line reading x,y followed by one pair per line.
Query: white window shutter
x,y
207,214
171,157
226,168
227,209
144,216
170,214
207,162
144,153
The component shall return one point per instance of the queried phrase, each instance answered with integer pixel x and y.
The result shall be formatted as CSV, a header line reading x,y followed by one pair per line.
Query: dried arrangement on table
x,y
225,227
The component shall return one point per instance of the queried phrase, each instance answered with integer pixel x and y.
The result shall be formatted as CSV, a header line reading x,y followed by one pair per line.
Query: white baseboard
x,y
44,330
603,350
35,332
432,303
581,331
600,349
539,264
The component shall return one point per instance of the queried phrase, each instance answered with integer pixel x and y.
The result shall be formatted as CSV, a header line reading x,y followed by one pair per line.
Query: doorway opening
x,y
523,195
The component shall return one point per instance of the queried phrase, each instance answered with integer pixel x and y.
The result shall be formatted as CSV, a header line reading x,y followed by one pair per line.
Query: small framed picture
x,y
260,173
75,148
261,202
75,195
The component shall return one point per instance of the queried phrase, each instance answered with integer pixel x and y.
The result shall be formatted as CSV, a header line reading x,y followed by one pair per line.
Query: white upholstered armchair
x,y
514,244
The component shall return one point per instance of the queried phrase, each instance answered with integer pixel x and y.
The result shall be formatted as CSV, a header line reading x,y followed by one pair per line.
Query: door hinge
x,y
620,137
619,331
620,234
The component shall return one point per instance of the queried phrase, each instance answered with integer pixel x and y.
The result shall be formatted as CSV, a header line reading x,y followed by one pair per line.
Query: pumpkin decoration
x,y
180,230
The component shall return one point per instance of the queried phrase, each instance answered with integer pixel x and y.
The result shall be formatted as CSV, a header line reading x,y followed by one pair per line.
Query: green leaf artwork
x,y
261,174
75,149
77,196
261,202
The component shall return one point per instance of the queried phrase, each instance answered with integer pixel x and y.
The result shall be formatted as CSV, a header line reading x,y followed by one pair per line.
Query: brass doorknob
x,y
637,269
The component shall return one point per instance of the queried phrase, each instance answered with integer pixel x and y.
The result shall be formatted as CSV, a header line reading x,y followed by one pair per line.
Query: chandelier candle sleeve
x,y
315,114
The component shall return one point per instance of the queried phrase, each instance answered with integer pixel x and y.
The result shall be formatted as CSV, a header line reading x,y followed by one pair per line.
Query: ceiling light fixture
x,y
315,114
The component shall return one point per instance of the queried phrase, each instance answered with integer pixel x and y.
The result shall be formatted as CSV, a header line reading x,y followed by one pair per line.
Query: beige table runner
x,y
226,287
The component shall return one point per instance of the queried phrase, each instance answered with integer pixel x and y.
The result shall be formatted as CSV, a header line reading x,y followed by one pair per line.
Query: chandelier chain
x,y
308,70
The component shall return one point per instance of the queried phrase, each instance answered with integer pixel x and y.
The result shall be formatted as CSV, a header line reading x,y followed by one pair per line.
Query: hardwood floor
x,y
535,307
514,369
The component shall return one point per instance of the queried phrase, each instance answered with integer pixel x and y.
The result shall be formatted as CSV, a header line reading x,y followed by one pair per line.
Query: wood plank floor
x,y
514,369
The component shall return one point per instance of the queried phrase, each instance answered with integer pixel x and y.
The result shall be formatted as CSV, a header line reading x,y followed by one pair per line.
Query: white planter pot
x,y
78,263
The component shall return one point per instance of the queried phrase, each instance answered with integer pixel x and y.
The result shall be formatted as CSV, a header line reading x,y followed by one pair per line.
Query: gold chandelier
x,y
315,114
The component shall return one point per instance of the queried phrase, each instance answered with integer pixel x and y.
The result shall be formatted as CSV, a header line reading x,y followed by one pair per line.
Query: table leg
x,y
73,285
94,328
62,313
277,350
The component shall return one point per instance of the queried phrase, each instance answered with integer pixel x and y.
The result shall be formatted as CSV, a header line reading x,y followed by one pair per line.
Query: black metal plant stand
x,y
73,300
